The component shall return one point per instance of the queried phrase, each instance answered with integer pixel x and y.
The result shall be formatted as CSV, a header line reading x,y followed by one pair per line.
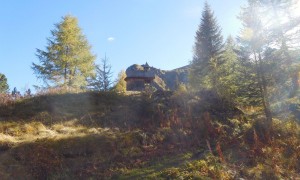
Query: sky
x,y
160,32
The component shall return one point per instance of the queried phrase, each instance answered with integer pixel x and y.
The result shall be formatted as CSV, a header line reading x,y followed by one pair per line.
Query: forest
x,y
237,118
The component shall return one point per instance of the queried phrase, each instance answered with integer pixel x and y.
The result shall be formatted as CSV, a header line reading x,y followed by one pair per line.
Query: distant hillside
x,y
169,80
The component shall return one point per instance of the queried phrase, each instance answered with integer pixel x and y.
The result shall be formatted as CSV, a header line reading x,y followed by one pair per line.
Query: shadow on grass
x,y
73,156
102,155
89,108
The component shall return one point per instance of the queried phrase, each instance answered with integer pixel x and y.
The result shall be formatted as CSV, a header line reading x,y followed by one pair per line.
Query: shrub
x,y
5,99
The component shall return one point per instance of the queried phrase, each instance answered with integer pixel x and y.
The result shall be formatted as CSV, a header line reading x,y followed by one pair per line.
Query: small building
x,y
137,76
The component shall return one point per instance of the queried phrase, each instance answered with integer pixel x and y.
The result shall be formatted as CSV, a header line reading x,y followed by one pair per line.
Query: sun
x,y
296,11
281,15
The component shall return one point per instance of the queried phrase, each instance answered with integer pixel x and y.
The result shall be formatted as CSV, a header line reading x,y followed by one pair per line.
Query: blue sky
x,y
160,32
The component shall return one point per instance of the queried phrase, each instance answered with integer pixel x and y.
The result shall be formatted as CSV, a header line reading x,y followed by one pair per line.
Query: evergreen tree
x,y
15,93
283,21
248,89
269,34
67,60
102,80
3,84
230,71
207,52
253,38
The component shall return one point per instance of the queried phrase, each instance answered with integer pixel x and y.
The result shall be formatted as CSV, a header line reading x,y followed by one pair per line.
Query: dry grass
x,y
92,135
37,151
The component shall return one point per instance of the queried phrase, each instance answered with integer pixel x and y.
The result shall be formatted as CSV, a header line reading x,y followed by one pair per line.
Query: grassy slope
x,y
104,135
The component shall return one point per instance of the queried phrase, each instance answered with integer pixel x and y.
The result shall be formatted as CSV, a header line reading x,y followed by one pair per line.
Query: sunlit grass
x,y
20,132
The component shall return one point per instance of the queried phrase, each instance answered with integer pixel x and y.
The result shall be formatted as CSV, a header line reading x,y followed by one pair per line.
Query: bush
x,y
6,99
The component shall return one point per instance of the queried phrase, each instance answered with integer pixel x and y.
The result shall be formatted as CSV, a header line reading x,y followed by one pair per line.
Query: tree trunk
x,y
262,83
295,81
265,100
65,75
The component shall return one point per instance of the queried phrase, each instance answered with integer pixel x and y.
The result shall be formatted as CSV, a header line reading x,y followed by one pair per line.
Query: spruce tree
x,y
283,21
268,35
253,40
207,52
102,79
3,84
248,89
67,60
229,71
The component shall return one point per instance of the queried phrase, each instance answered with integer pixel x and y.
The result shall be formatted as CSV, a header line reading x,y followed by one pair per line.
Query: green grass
x,y
154,168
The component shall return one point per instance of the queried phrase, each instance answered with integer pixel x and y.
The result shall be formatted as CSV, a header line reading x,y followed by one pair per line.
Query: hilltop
x,y
170,80
165,135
